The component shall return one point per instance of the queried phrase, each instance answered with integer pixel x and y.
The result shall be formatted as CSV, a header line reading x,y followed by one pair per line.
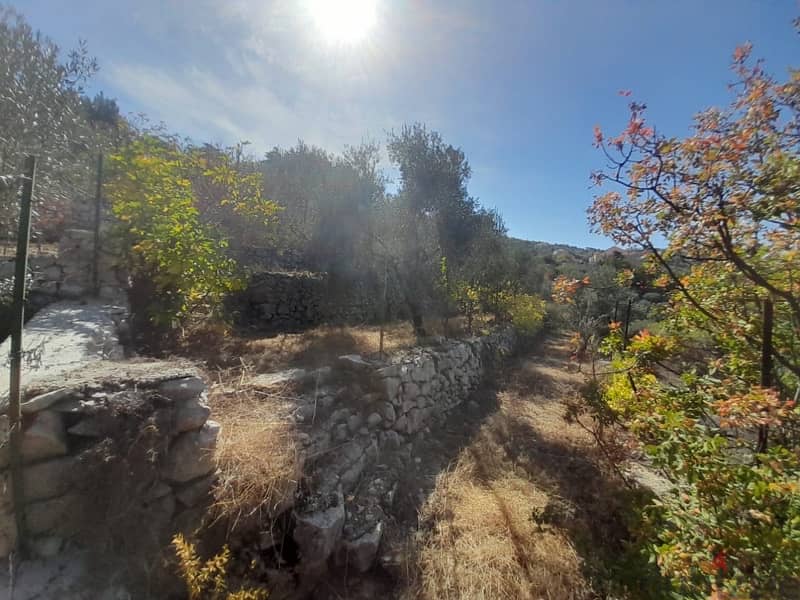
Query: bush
x,y
208,580
525,311
177,261
731,522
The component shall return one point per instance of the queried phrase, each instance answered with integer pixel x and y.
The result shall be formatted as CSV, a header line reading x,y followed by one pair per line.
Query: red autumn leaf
x,y
720,561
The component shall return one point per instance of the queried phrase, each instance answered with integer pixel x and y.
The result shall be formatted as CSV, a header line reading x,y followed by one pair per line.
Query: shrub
x,y
208,580
177,260
731,522
525,311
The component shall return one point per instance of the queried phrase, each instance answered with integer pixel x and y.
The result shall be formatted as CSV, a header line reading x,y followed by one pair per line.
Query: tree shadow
x,y
588,503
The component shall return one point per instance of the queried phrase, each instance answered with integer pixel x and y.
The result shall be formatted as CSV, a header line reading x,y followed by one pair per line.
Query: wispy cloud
x,y
248,69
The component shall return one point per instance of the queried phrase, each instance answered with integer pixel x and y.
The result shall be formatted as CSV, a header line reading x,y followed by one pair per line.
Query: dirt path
x,y
508,499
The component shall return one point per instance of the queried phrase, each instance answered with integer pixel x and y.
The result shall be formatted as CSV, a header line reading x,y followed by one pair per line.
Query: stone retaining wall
x,y
125,444
68,273
359,436
294,301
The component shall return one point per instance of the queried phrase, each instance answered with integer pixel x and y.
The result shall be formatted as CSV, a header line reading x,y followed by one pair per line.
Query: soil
x,y
518,414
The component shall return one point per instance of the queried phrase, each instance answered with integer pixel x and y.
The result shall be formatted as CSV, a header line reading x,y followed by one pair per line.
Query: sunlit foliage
x,y
180,260
712,410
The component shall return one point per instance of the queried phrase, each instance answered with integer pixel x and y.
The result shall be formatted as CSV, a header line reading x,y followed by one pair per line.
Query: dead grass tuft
x,y
220,346
484,543
257,456
527,510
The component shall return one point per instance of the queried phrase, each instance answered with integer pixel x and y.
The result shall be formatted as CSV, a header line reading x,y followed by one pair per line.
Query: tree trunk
x,y
766,368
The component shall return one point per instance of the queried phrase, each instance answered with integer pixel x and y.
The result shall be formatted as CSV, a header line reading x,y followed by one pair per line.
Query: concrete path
x,y
64,336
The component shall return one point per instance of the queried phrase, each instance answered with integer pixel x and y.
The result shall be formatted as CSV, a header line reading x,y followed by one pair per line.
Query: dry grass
x,y
504,521
257,456
220,347
484,543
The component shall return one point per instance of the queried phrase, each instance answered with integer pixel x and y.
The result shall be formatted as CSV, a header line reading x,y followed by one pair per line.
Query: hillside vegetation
x,y
682,359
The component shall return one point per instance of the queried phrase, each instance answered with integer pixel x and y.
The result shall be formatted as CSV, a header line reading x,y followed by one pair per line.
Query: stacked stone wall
x,y
131,446
295,301
359,436
68,273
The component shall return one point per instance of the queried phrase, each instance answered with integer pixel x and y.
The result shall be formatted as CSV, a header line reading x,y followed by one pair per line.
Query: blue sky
x,y
518,85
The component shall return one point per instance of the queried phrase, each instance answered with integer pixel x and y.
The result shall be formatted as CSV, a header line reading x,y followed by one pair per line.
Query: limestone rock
x,y
388,412
354,422
8,534
195,492
354,362
48,479
391,440
280,378
401,424
350,476
44,401
361,552
374,420
341,433
190,414
160,512
87,427
410,391
317,534
183,389
59,516
45,437
191,454
305,413
392,386
159,490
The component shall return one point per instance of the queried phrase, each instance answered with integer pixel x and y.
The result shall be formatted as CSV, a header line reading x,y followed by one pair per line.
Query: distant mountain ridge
x,y
566,252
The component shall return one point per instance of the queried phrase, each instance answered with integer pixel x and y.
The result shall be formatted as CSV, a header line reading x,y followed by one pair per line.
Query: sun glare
x,y
343,21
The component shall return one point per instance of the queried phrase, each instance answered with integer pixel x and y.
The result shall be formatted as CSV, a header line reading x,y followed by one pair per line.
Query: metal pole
x,y
98,196
385,303
14,412
627,323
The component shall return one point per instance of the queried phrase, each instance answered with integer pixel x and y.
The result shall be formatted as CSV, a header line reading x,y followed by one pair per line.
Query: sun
x,y
343,21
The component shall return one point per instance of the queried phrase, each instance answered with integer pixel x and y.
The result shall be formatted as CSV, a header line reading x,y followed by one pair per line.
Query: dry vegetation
x,y
221,347
257,455
526,502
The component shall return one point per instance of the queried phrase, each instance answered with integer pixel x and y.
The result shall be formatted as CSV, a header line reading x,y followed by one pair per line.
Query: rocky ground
x,y
505,499
63,336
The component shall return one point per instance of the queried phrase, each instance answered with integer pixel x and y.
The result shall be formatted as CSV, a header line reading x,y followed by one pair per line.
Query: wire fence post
x,y
385,307
98,197
627,323
14,412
